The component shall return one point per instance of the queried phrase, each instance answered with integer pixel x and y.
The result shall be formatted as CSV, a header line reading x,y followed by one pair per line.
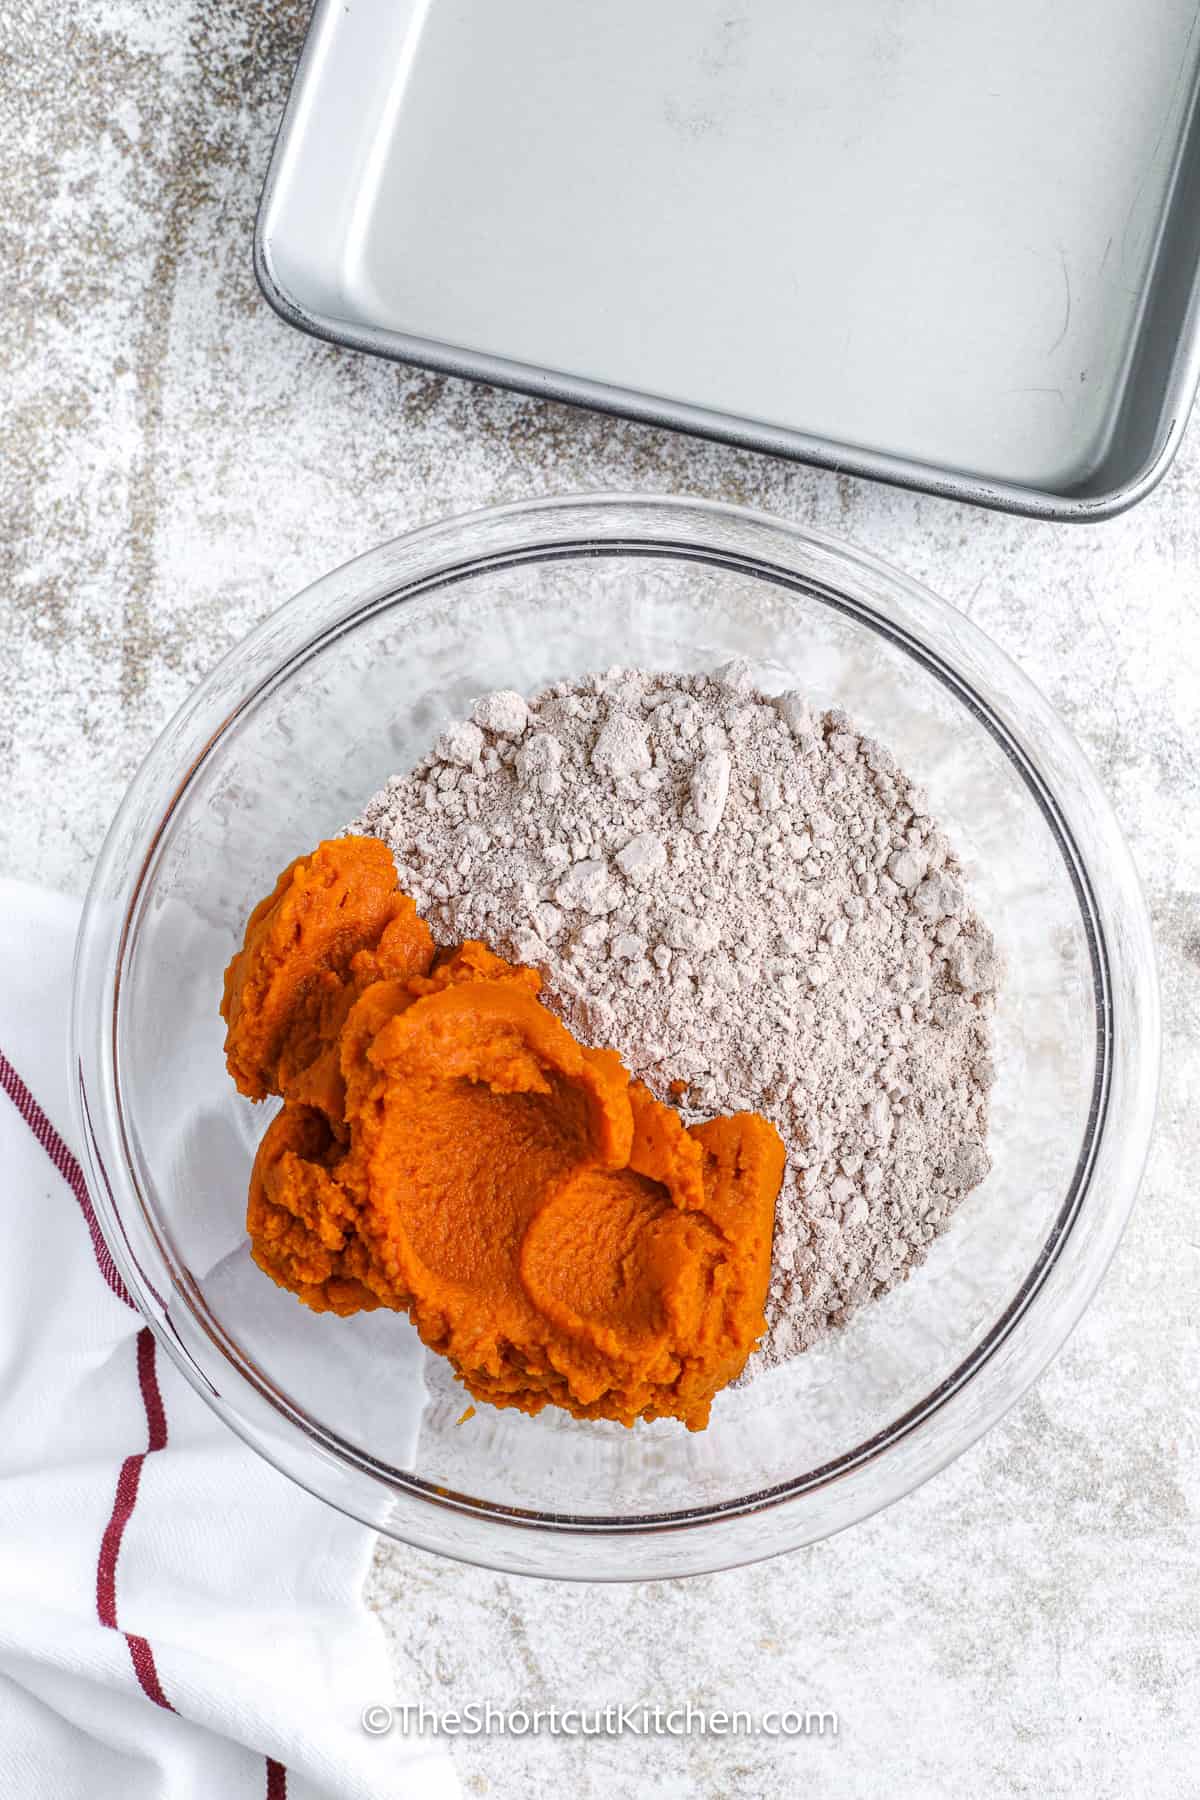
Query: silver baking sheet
x,y
937,242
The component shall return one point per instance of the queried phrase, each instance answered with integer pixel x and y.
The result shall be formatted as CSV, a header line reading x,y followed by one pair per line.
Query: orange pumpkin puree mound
x,y
447,1148
334,919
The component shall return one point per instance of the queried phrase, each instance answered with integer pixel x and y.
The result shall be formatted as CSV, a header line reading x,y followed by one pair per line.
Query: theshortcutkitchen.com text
x,y
483,1719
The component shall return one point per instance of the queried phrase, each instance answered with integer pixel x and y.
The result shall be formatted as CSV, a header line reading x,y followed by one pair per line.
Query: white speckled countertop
x,y
177,462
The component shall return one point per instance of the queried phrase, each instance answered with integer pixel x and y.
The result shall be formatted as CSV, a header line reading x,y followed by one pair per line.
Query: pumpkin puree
x,y
447,1148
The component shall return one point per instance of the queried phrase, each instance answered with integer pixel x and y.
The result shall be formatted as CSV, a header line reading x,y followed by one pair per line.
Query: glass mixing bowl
x,y
349,683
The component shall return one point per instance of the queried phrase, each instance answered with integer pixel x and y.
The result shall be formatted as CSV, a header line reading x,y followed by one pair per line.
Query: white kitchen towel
x,y
178,1621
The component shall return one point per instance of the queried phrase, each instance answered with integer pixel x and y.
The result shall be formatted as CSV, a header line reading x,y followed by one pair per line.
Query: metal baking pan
x,y
953,246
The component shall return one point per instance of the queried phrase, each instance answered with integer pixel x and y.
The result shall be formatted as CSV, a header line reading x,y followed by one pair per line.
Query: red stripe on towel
x,y
124,1501
142,1658
110,1544
67,1166
129,1479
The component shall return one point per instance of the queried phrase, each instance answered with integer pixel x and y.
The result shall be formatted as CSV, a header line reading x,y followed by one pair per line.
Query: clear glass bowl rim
x,y
1055,1292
